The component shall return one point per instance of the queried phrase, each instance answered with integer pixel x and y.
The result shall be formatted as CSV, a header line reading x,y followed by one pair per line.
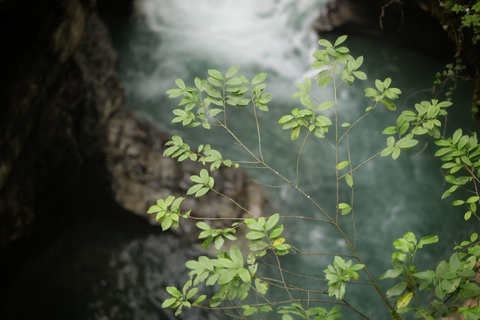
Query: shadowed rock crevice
x,y
64,129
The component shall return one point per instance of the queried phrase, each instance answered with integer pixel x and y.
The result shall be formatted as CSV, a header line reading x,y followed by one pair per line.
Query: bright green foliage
x,y
180,299
215,235
318,313
204,183
411,123
469,11
205,154
450,281
461,159
207,105
265,234
168,212
338,274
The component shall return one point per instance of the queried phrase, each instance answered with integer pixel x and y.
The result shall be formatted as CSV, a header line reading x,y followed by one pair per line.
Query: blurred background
x,y
85,116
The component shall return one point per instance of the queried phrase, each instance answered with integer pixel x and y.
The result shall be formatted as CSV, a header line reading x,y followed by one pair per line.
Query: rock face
x,y
408,23
64,135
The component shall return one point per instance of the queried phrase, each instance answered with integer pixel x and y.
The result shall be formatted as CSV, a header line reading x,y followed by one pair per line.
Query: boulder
x,y
408,23
65,137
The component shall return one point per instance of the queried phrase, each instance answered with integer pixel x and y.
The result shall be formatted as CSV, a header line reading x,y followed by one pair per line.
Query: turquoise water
x,y
182,39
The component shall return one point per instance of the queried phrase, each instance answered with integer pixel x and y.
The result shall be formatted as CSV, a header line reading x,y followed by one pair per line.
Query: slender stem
x,y
299,154
352,197
337,191
358,120
361,165
233,201
258,131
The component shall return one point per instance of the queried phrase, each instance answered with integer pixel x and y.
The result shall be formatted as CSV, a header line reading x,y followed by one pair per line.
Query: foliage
x,y
469,13
235,275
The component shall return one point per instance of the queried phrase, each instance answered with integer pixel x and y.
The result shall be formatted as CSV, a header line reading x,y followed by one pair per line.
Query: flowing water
x,y
182,39
168,39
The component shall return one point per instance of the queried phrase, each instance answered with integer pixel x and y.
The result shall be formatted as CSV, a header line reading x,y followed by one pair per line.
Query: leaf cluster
x,y
265,234
340,273
414,123
168,212
450,281
205,154
318,313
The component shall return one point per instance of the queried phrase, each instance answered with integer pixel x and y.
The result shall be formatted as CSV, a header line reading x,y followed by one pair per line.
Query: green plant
x,y
235,278
468,13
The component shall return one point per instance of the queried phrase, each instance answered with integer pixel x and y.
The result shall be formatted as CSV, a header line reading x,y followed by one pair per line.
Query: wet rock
x,y
408,23
65,135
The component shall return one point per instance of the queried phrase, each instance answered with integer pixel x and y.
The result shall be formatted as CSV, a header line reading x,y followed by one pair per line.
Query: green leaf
x,y
349,180
396,290
227,276
428,275
345,208
406,143
169,302
324,43
456,136
272,221
325,105
249,311
201,192
392,273
199,299
244,275
462,142
166,223
427,240
390,130
255,235
194,189
236,256
342,165
404,300
340,40
360,75
215,74
295,132
180,83
232,71
277,231
379,85
259,78
389,105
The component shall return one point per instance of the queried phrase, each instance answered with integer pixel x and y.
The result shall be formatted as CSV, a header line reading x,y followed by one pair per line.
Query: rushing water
x,y
122,274
182,39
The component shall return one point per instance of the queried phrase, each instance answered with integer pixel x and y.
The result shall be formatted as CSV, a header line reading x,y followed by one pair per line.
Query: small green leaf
x,y
215,74
232,71
349,180
392,273
404,300
389,105
326,105
259,78
396,290
342,165
272,221
340,40
169,302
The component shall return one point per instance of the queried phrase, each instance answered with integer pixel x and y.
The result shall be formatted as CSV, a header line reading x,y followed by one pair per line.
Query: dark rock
x,y
408,23
64,134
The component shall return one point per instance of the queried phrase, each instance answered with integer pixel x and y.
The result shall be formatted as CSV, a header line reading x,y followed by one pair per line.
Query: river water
x,y
182,39
125,268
